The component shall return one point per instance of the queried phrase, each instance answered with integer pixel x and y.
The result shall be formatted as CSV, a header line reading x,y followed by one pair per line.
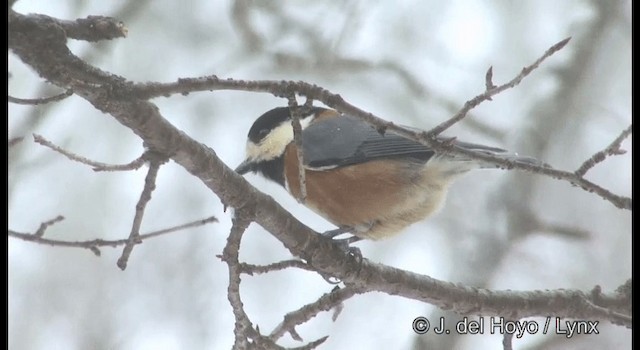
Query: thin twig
x,y
97,166
564,231
326,302
145,197
14,141
40,101
297,139
43,226
531,223
244,330
192,224
612,150
251,269
492,90
243,327
488,80
94,244
608,314
230,254
312,345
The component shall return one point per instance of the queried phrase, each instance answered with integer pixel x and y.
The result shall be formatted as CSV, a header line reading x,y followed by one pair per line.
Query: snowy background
x,y
411,62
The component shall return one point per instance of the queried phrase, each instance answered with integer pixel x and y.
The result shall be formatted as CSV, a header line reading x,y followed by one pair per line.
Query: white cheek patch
x,y
274,144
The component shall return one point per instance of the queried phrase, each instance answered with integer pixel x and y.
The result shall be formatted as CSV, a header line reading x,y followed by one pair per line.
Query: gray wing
x,y
346,140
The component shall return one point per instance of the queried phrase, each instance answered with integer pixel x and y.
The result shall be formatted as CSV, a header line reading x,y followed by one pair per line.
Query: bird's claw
x,y
337,232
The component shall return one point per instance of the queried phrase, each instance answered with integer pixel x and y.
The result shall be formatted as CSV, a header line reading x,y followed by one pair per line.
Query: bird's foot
x,y
337,232
345,243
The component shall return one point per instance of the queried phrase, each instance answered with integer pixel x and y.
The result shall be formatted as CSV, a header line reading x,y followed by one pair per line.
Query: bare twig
x,y
250,269
488,80
43,226
326,302
297,138
607,314
14,141
531,223
312,345
492,90
145,197
40,101
192,224
612,150
230,254
244,330
564,231
97,166
94,244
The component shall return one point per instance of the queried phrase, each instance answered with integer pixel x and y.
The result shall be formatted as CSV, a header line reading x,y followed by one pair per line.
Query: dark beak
x,y
245,167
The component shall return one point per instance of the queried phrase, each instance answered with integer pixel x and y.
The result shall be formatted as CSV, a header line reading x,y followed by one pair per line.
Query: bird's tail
x,y
460,163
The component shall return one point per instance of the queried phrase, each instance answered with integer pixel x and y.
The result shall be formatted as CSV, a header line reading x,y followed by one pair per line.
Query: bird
x,y
369,183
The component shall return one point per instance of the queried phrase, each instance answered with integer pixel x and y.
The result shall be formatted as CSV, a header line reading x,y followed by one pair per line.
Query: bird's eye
x,y
263,133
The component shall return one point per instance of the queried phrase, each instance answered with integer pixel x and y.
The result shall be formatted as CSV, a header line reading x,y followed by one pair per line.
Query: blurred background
x,y
411,62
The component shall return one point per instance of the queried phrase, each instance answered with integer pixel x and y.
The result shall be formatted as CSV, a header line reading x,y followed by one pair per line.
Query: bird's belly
x,y
377,199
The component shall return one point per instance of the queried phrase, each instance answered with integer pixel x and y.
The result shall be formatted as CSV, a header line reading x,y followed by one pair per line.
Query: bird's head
x,y
269,136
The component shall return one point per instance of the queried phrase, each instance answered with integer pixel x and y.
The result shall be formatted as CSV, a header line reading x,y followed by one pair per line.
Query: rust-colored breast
x,y
377,198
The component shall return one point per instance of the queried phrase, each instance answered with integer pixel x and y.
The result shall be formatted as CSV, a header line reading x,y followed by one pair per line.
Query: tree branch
x,y
243,329
245,334
328,301
155,161
14,141
612,150
281,88
94,244
97,166
250,269
492,90
40,101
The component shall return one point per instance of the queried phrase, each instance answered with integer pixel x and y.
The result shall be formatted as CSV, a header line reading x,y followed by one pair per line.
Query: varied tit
x,y
370,183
